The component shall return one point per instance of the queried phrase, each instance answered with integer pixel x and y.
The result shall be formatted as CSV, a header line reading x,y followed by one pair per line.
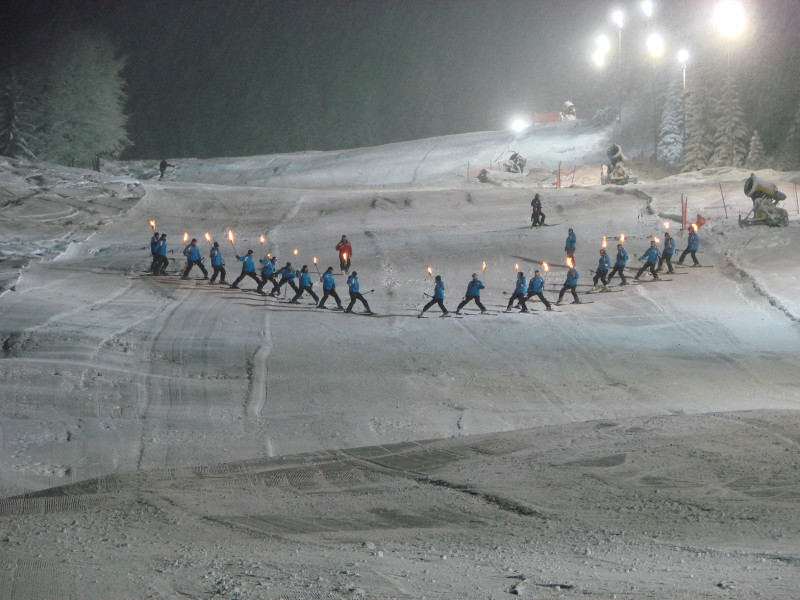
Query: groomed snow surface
x,y
162,438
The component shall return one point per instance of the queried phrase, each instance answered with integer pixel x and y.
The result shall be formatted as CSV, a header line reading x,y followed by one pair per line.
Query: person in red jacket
x,y
345,254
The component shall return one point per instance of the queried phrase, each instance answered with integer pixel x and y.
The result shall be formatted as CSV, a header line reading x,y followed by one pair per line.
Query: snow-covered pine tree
x,y
790,149
71,100
670,135
756,158
731,132
698,148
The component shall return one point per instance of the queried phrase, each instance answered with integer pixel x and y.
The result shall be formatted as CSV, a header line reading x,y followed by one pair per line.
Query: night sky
x,y
241,77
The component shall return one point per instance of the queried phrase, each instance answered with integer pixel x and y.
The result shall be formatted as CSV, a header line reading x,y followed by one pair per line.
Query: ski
x,y
581,302
660,279
603,291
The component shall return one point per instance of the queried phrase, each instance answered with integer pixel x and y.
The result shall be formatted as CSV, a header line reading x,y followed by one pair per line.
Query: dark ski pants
x,y
572,289
163,263
251,274
467,300
570,252
665,258
357,296
601,275
520,298
154,264
332,293
645,266
618,270
694,256
276,287
305,288
264,280
191,263
433,301
218,270
539,295
537,218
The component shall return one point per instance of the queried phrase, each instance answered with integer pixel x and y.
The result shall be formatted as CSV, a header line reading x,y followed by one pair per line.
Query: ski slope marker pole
x,y
723,200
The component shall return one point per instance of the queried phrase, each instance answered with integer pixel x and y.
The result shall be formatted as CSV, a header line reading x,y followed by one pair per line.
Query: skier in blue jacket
x,y
650,258
519,293
569,245
248,269
193,257
304,281
329,288
154,253
693,243
536,288
619,264
352,284
287,275
438,297
161,250
603,265
474,288
268,272
217,264
571,284
666,254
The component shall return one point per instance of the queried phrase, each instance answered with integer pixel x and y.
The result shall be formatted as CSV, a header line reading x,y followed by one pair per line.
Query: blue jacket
x,y
287,273
572,276
305,279
571,240
651,255
192,252
622,258
352,284
328,282
216,258
154,245
248,263
162,247
694,241
536,285
474,288
669,245
522,285
604,264
438,291
268,268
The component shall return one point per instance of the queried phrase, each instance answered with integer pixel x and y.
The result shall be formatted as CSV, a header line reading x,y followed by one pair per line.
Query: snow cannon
x,y
568,111
616,172
765,196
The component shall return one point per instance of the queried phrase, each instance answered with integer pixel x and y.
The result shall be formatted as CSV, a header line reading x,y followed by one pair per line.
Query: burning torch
x,y
153,224
666,225
185,236
230,239
604,242
316,267
262,244
208,238
546,268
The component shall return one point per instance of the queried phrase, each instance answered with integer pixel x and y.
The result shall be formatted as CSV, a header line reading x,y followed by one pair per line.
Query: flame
x,y
269,254
516,266
656,239
230,235
546,267
694,226
295,251
185,236
430,271
666,224
315,260
484,266
208,236
153,224
621,238
570,264
344,255
604,241
262,238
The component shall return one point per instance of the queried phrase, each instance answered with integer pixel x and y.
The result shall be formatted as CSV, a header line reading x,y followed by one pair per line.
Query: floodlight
x,y
619,18
519,124
683,56
599,58
655,45
647,8
603,44
729,18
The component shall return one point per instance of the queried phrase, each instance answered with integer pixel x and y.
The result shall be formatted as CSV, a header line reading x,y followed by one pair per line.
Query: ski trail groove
x,y
257,397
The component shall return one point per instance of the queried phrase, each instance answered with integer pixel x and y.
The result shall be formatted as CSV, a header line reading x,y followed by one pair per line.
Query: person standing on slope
x,y
352,284
304,279
619,265
569,245
474,288
193,257
162,166
248,270
603,265
666,254
536,288
519,293
650,257
345,254
438,297
329,289
217,264
154,253
693,243
537,216
163,261
571,284
287,275
267,272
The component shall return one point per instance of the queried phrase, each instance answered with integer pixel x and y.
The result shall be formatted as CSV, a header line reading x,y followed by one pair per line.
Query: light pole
x,y
730,19
619,20
655,47
683,56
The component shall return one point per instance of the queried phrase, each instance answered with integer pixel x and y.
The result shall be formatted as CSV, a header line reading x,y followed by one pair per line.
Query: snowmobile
x,y
616,172
765,196
515,164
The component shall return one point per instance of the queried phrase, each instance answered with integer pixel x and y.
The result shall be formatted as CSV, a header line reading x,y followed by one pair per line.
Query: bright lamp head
x,y
655,45
730,18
